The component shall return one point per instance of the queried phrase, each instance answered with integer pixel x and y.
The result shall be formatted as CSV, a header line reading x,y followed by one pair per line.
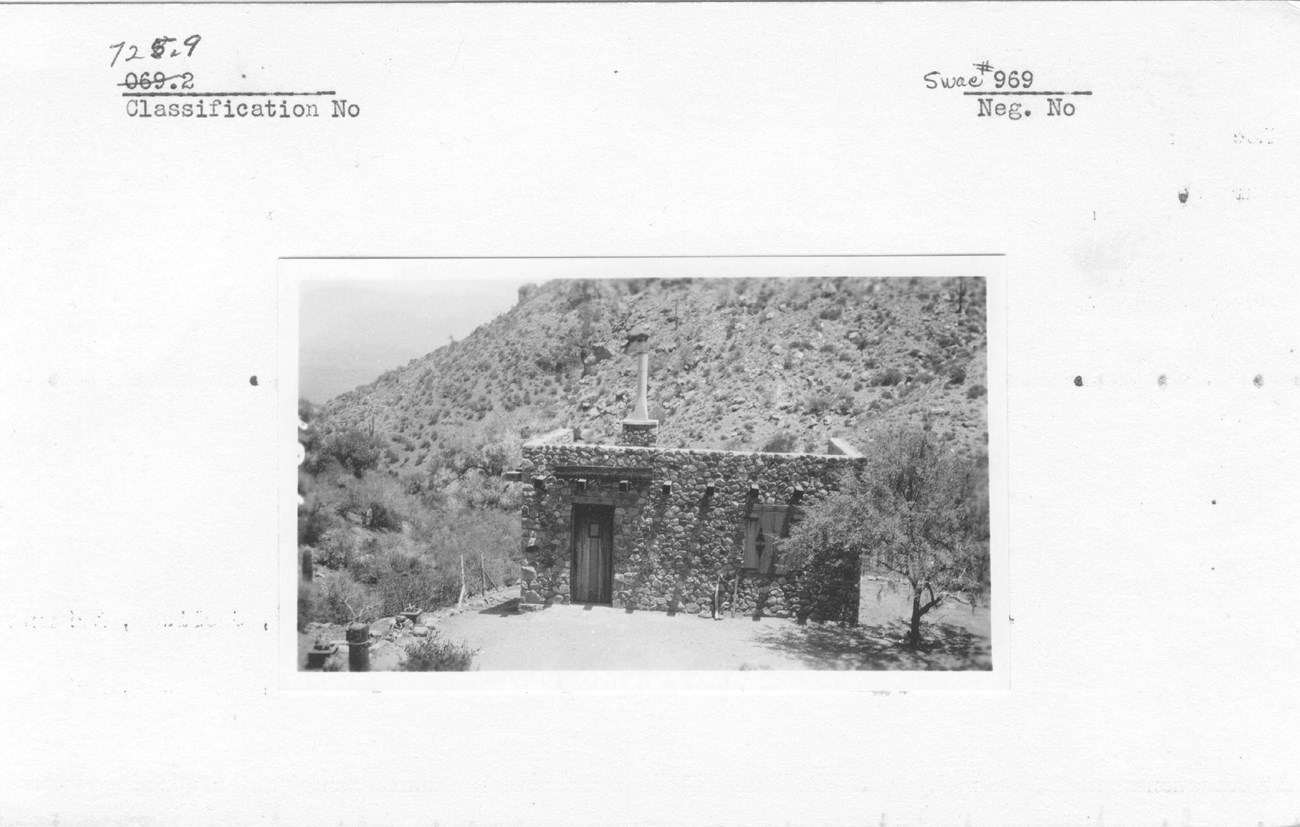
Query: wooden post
x,y
482,571
307,570
735,593
358,635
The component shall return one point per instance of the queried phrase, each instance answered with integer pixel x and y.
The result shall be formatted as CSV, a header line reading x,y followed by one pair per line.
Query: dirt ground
x,y
602,637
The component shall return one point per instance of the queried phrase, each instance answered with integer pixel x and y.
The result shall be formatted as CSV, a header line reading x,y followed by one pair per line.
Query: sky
x,y
352,331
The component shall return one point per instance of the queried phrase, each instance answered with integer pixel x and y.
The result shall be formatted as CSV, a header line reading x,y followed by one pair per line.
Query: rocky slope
x,y
736,363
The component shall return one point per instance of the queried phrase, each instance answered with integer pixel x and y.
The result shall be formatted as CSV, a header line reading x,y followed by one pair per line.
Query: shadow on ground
x,y
507,608
946,647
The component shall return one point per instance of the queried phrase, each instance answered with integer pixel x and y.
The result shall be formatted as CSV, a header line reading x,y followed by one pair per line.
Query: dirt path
x,y
601,637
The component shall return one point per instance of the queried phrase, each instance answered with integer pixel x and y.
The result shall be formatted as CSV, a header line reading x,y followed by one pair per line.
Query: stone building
x,y
637,526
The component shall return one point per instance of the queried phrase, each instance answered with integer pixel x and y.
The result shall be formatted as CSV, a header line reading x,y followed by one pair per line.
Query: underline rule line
x,y
1026,93
221,94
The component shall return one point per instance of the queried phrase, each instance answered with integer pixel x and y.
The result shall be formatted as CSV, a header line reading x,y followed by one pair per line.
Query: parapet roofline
x,y
836,448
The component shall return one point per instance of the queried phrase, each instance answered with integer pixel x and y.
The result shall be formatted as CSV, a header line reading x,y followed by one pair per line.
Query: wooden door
x,y
593,554
764,529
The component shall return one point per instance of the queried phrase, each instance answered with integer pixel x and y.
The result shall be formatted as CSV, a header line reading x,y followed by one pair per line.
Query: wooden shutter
x,y
752,525
773,520
770,520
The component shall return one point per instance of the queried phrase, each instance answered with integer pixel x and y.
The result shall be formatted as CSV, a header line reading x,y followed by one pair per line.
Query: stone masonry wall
x,y
669,550
639,434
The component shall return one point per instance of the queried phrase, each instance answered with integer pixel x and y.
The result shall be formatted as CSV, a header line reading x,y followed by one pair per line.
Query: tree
x,y
915,510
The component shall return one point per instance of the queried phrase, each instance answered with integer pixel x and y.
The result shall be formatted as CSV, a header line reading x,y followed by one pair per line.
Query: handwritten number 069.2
x,y
1013,80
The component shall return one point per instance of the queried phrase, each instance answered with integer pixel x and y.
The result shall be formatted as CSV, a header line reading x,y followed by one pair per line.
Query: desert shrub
x,y
489,535
476,490
351,449
491,452
830,313
379,500
845,402
887,377
341,599
403,578
433,654
335,547
956,375
818,403
827,348
783,443
975,391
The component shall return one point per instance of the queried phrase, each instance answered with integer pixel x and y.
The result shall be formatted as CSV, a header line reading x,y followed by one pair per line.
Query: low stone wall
x,y
670,550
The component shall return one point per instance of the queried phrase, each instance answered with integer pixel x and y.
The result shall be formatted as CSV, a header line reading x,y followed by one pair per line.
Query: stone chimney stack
x,y
639,428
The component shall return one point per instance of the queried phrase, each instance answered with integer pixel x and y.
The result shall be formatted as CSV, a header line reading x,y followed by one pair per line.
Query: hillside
x,y
735,364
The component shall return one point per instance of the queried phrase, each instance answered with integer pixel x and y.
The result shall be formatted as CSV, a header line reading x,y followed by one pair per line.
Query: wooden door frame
x,y
584,513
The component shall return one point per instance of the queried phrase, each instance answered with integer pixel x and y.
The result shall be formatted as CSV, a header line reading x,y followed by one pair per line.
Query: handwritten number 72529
x,y
158,50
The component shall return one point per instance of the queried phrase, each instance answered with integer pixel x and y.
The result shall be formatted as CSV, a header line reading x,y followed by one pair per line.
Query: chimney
x,y
639,428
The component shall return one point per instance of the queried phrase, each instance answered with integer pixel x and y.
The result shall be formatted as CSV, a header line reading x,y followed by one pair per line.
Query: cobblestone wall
x,y
670,550
639,434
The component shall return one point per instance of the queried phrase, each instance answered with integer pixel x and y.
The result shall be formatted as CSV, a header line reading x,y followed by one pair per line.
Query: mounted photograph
x,y
608,465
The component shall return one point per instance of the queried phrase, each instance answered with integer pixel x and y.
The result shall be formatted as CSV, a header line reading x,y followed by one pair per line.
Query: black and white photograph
x,y
644,473
514,413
